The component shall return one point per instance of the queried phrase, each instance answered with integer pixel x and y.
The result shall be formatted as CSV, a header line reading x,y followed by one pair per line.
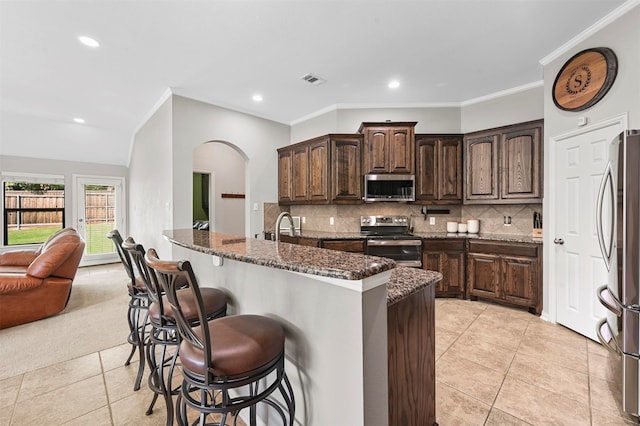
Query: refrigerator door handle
x,y
606,337
606,247
609,300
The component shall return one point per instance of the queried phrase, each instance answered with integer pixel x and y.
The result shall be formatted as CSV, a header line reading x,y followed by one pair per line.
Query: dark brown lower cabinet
x,y
506,272
352,246
311,242
412,364
447,257
286,238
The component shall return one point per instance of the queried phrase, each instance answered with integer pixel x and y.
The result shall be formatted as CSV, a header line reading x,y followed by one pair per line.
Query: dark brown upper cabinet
x,y
346,169
388,147
322,170
504,165
439,169
301,173
521,149
285,176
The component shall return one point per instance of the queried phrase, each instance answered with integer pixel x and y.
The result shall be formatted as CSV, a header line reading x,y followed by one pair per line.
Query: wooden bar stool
x,y
137,314
228,363
164,333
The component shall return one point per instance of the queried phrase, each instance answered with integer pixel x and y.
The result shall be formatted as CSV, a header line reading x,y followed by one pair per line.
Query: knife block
x,y
537,233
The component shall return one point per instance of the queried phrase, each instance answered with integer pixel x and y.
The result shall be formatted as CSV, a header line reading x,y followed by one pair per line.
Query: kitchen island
x,y
333,306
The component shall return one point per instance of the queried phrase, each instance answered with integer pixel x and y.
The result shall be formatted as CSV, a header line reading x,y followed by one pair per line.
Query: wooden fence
x,y
99,207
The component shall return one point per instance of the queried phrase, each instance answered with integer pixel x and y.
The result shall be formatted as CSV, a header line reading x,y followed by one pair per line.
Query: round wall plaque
x,y
585,78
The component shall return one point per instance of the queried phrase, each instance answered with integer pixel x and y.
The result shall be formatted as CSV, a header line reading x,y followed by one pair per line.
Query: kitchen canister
x,y
473,226
462,227
452,227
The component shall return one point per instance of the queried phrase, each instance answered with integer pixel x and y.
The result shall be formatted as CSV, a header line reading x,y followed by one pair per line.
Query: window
x,y
33,208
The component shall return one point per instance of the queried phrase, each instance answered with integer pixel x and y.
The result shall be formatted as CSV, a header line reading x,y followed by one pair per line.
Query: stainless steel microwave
x,y
389,188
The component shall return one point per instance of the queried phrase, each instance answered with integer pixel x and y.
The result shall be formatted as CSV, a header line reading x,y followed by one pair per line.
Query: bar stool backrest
x,y
154,289
115,236
171,275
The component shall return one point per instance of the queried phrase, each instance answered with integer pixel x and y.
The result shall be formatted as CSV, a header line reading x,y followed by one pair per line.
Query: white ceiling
x,y
222,52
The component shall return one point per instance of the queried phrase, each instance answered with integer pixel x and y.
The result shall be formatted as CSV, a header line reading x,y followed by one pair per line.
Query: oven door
x,y
406,252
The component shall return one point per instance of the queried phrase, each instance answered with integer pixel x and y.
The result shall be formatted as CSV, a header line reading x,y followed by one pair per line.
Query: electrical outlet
x,y
507,220
432,220
331,221
304,220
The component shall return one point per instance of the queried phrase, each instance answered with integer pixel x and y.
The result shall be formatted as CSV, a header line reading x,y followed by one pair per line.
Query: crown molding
x,y
503,93
600,24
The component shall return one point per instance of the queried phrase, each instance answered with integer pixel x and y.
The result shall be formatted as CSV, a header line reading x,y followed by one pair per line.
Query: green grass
x,y
96,239
31,235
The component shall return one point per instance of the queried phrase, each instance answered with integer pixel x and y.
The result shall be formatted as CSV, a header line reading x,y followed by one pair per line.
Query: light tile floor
x,y
495,366
502,366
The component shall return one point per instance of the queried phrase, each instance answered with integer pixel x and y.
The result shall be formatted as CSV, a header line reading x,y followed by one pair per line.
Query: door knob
x,y
558,241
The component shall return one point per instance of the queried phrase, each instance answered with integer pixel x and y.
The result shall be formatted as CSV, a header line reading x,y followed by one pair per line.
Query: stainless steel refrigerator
x,y
617,224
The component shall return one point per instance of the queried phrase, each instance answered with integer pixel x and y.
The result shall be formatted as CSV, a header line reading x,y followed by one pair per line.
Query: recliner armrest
x,y
15,283
18,257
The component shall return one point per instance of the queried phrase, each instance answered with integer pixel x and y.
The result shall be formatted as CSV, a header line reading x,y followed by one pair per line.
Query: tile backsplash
x,y
346,218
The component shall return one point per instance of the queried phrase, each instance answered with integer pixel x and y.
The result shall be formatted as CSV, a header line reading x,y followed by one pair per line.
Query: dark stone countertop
x,y
322,235
406,281
480,236
290,257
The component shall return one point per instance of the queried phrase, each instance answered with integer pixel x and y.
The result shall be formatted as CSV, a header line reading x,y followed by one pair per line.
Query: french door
x,y
99,208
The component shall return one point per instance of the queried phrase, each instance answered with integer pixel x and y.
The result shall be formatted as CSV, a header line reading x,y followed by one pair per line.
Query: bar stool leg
x,y
137,336
157,382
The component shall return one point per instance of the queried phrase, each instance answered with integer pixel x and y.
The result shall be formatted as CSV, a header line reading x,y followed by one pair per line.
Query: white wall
x,y
517,107
151,176
430,120
623,37
319,125
227,168
196,122
510,108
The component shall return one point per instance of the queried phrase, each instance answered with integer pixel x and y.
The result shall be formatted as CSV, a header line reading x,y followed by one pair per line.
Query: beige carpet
x,y
95,319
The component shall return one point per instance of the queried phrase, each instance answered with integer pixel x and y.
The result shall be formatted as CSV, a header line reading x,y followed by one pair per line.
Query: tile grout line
x,y
104,382
15,401
505,377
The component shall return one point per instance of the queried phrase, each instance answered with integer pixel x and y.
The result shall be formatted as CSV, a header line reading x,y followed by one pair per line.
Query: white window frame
x,y
31,178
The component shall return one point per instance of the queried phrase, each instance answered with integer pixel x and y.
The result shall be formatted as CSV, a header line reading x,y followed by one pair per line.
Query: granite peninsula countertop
x,y
290,257
406,281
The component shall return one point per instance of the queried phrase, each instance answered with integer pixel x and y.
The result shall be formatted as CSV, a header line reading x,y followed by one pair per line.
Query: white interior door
x,y
580,161
99,208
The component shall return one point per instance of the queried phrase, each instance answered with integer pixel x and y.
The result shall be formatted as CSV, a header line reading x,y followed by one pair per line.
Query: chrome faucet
x,y
279,220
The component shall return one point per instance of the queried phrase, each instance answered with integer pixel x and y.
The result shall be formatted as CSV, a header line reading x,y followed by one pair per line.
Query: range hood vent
x,y
313,79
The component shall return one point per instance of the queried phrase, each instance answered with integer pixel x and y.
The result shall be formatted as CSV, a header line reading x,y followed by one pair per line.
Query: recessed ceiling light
x,y
78,120
393,84
88,41
257,98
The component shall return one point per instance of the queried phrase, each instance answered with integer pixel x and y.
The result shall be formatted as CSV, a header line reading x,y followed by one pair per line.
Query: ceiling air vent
x,y
313,79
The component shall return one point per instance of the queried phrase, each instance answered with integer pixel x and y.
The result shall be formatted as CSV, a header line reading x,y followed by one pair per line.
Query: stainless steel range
x,y
388,236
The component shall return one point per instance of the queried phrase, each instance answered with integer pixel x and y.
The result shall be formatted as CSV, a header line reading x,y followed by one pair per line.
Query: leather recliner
x,y
36,284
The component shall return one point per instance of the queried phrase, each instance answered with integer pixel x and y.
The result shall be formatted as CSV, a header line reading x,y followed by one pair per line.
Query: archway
x,y
222,167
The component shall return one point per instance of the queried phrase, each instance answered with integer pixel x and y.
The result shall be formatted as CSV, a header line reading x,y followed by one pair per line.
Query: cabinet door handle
x,y
558,241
